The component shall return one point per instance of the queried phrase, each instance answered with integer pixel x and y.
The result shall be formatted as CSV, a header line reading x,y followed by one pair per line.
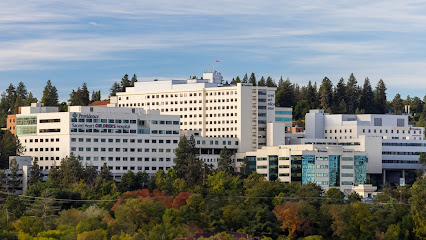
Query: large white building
x,y
396,153
124,138
239,111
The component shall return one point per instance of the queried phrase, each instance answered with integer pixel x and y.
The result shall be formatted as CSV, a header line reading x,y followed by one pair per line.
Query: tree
x,y
270,82
84,95
125,82
115,89
262,82
351,94
340,95
9,146
398,106
245,78
50,95
380,97
285,94
36,174
134,79
224,162
96,96
326,94
334,195
252,79
30,99
367,97
21,91
105,174
14,180
418,210
71,171
311,95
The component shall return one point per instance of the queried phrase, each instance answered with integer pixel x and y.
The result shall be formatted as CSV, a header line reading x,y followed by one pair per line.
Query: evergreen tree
x,y
351,94
14,180
187,165
301,109
340,95
397,104
233,81
367,97
417,105
245,78
380,97
30,99
262,82
252,79
270,82
285,94
105,174
224,162
125,82
96,96
237,80
133,80
36,174
21,91
115,89
9,146
326,94
71,170
74,99
84,95
50,95
311,95
182,153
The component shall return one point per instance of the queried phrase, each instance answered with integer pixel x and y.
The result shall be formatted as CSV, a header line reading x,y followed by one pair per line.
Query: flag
x,y
217,60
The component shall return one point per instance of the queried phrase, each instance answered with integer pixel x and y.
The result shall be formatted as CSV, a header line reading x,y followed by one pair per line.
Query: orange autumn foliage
x,y
168,201
288,215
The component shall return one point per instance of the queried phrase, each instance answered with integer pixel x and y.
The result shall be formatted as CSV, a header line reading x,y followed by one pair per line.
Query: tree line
x,y
80,202
346,97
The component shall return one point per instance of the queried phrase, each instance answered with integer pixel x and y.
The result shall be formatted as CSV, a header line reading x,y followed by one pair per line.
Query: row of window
x,y
118,140
172,95
102,130
283,112
162,122
42,149
125,159
401,161
42,140
203,142
124,168
96,149
283,119
402,153
95,120
220,129
405,144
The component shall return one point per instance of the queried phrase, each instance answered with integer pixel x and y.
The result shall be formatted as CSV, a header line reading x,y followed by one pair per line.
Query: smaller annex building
x,y
328,166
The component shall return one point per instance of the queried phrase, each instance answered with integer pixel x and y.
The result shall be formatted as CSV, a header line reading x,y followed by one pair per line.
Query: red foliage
x,y
158,196
180,200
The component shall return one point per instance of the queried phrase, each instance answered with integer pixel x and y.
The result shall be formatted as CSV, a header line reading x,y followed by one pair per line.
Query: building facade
x,y
400,143
239,111
330,166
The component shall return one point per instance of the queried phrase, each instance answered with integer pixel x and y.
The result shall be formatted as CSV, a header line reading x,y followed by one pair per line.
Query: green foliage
x,y
9,146
418,210
50,95
224,162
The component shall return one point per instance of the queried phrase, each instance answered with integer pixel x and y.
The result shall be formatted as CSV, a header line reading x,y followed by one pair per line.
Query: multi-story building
x,y
239,111
399,148
123,138
326,165
284,115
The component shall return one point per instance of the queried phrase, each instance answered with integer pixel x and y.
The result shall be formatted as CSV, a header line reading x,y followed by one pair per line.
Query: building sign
x,y
100,125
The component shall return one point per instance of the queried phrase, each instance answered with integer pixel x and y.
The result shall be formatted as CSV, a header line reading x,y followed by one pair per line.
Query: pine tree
x,y
224,162
133,80
21,91
125,82
114,89
262,82
74,98
380,97
285,94
311,95
50,95
270,82
237,80
252,79
245,78
14,180
367,97
105,174
84,95
351,94
326,94
36,174
30,99
340,95
397,104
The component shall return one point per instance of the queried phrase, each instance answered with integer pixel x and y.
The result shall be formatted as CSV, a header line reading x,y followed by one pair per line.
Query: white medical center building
x,y
141,127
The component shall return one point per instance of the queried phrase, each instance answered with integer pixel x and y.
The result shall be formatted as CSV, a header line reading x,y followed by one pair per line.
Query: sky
x,y
97,42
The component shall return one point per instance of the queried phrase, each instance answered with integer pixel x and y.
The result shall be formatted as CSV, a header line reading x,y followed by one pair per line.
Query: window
x,y
400,122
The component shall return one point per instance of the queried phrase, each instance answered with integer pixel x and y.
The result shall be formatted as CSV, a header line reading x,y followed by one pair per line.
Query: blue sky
x,y
97,42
